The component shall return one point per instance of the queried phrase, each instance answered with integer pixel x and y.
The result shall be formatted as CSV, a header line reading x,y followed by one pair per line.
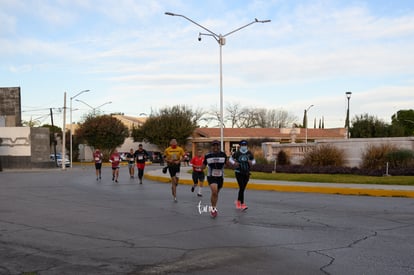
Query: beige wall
x,y
353,148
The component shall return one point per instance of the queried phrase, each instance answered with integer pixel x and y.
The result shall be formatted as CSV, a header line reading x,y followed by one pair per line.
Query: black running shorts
x,y
215,180
174,169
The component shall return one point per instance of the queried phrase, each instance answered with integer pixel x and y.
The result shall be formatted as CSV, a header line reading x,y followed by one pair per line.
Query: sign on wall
x,y
15,141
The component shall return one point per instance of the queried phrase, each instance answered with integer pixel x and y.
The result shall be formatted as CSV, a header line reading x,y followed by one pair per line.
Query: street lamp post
x,y
306,122
70,129
93,108
348,96
221,40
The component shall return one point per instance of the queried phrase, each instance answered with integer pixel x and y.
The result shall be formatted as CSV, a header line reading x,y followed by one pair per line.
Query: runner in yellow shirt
x,y
174,155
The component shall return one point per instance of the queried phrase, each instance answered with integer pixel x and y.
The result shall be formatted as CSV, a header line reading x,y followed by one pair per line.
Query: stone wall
x,y
353,148
10,107
40,144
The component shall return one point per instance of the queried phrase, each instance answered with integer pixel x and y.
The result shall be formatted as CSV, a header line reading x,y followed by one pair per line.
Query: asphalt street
x,y
66,222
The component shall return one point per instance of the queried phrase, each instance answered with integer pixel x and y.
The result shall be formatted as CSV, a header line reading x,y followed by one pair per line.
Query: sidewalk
x,y
307,187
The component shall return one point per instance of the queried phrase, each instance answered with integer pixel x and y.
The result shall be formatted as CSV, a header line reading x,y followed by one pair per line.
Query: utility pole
x,y
64,134
54,138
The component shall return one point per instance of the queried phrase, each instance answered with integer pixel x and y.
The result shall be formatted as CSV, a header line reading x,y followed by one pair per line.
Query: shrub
x,y
400,159
259,157
375,157
266,168
324,155
283,158
300,169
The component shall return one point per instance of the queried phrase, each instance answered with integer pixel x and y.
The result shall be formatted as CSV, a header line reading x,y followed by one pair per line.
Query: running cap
x,y
243,142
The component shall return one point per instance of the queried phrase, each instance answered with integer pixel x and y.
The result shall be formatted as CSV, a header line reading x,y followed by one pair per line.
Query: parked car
x,y
59,159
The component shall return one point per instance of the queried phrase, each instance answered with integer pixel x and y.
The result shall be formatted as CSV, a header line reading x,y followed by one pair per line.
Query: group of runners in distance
x,y
138,158
241,160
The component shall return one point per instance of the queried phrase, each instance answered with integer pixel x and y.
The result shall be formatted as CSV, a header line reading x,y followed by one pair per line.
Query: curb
x,y
303,189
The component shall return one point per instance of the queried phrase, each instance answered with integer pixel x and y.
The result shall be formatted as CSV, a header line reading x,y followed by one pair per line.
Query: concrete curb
x,y
325,189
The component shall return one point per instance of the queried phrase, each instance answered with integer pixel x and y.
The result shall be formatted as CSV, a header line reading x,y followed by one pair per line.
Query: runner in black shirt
x,y
141,156
242,160
215,161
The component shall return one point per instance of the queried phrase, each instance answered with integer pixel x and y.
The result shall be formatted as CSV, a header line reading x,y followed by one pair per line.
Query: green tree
x,y
177,122
305,119
104,132
75,145
366,126
30,123
403,121
54,131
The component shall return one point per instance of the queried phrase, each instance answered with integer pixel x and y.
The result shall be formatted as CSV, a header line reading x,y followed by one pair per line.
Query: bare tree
x,y
262,119
213,116
280,119
251,117
234,114
201,116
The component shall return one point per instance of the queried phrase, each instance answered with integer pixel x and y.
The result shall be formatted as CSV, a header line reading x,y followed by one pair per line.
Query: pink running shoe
x,y
243,207
238,204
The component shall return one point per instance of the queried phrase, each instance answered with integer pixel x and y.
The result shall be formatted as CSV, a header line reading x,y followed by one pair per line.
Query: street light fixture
x,y
221,40
109,102
348,96
306,122
93,108
70,130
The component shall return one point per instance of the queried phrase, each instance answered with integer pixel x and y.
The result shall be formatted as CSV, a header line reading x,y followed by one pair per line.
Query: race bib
x,y
140,157
96,159
217,172
116,158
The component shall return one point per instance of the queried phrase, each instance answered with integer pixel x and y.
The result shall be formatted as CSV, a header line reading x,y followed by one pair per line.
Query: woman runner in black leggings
x,y
242,160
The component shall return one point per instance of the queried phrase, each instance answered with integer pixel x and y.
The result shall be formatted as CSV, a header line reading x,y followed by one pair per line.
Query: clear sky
x,y
132,54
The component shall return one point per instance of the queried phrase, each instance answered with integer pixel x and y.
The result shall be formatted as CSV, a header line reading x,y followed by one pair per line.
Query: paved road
x,y
65,222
